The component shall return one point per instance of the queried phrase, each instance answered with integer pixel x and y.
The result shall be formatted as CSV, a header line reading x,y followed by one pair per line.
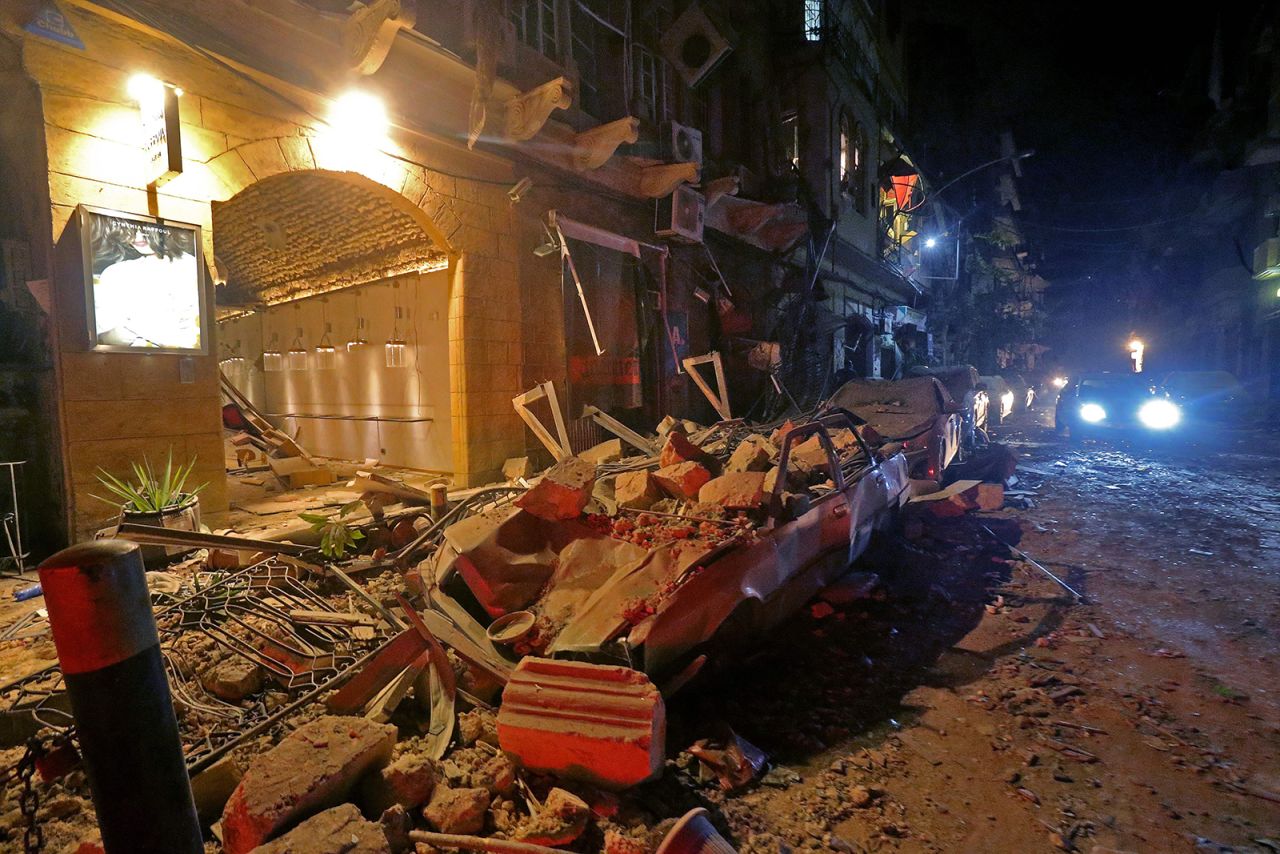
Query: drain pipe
x,y
109,651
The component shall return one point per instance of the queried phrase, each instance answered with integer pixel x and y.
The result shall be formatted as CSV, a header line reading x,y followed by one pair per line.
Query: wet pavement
x,y
973,705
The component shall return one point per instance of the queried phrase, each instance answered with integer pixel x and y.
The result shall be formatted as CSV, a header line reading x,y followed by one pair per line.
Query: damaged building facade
x,y
399,218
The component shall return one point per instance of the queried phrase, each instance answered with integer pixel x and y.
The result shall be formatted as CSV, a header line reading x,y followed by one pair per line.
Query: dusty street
x,y
972,706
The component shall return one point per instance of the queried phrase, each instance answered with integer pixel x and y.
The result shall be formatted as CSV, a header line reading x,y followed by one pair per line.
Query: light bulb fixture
x,y
395,344
325,350
358,338
272,358
298,354
395,353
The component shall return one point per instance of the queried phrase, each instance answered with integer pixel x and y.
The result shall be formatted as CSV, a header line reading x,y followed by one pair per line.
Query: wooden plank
x,y
559,450
719,398
622,431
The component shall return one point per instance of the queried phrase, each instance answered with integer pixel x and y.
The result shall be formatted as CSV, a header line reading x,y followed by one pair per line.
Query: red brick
x,y
313,768
602,724
637,490
682,480
562,492
743,490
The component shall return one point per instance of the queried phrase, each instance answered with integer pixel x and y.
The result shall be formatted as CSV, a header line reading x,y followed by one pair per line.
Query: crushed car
x,y
655,563
917,415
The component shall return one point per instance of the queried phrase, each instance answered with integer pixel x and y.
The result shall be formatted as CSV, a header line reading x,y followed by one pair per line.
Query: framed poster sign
x,y
144,283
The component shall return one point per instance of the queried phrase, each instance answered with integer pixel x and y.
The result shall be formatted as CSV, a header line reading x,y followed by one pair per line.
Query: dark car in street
x,y
1091,403
1207,395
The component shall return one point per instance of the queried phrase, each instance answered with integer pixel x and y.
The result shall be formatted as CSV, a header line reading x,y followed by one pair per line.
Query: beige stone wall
x,y
119,407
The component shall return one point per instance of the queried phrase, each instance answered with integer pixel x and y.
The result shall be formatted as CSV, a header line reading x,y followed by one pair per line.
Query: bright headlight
x,y
1059,382
1092,412
1159,414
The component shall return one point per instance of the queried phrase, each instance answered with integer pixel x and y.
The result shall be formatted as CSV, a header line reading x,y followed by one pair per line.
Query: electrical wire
x,y
1072,230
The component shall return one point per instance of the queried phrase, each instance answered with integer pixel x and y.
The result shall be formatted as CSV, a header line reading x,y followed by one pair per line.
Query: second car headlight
x,y
1159,414
1092,412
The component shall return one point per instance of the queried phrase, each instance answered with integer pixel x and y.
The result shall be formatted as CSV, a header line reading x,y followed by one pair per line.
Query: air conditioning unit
x,y
694,45
681,143
1266,259
681,215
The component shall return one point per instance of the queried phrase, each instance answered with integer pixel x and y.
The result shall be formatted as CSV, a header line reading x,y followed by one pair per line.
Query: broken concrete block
x,y
561,820
232,679
956,500
667,424
777,436
408,781
678,449
457,810
312,768
341,830
990,496
609,451
637,490
753,453
477,725
797,478
497,776
212,786
603,724
743,490
516,468
811,454
562,492
682,480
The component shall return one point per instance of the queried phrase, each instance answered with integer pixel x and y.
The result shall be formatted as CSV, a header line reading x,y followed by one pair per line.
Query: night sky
x,y
1110,96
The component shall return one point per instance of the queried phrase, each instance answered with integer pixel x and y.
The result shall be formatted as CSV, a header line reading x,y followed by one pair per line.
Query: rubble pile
x,y
511,647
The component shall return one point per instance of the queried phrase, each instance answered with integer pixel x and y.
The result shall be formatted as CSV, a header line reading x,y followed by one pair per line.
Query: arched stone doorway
x,y
315,259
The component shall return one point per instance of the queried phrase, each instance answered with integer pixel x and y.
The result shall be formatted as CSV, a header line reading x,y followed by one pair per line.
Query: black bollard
x,y
109,651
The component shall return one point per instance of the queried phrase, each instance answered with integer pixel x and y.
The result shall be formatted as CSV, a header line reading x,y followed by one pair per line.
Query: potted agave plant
x,y
159,497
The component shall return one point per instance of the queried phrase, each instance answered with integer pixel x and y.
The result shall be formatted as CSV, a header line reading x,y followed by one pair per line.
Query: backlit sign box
x,y
145,289
162,135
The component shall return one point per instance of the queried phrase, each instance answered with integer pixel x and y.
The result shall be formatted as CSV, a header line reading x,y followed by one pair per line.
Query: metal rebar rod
x,y
1029,559
479,843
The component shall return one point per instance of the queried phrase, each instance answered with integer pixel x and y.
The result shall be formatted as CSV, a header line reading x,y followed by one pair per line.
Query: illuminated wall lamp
x,y
395,352
298,354
357,339
325,351
272,358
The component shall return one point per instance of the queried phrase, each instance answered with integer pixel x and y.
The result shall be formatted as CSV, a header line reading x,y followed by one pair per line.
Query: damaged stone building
x,y
404,215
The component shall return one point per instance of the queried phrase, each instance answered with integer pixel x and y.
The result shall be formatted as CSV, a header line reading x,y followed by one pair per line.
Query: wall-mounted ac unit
x,y
694,45
681,215
1266,259
681,143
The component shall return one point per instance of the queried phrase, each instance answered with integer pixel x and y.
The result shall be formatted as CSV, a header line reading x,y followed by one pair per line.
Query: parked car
x,y
1091,403
658,607
1207,395
918,413
962,383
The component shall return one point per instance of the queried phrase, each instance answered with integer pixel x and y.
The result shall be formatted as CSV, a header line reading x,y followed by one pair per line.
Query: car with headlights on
x,y
1093,403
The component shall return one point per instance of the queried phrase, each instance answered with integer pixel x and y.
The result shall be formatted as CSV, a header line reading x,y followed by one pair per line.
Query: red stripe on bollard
x,y
103,616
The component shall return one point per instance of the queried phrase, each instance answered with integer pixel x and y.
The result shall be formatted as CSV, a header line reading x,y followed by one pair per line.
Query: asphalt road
x,y
973,705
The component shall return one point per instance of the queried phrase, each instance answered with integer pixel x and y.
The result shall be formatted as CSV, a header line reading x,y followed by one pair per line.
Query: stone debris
x,y
561,820
457,810
314,767
562,492
517,467
637,490
754,453
232,679
408,782
608,451
682,480
735,491
341,830
678,449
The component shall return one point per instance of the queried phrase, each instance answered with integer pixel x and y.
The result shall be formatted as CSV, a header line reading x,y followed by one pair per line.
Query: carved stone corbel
x,y
593,148
529,111
367,35
662,179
